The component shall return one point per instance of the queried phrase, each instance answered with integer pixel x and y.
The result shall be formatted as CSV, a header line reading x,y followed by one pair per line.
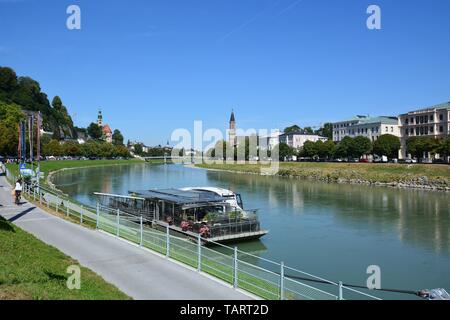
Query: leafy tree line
x,y
88,149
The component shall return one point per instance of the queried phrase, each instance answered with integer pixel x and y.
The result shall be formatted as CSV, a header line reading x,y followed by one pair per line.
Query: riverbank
x,y
417,176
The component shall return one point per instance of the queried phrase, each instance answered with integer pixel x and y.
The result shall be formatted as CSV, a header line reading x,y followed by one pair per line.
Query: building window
x,y
441,129
417,131
431,129
441,117
392,129
412,120
431,118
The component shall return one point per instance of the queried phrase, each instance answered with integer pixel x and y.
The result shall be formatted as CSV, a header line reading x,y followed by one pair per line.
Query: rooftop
x,y
178,196
368,120
441,106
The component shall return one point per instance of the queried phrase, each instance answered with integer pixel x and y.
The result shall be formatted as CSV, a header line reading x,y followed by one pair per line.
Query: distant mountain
x,y
26,92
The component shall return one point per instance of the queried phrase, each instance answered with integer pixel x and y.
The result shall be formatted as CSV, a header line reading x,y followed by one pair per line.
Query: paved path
x,y
135,271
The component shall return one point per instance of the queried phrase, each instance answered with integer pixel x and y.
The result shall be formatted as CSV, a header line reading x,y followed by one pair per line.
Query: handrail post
x,y
81,215
141,241
167,241
57,203
67,208
40,197
34,194
341,295
118,223
199,252
235,268
98,216
282,281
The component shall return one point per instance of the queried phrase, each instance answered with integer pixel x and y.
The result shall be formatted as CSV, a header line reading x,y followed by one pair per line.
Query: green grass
x,y
50,166
438,175
31,269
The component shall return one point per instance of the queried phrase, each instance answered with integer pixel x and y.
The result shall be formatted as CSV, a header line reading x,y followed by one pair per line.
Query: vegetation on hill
x,y
26,93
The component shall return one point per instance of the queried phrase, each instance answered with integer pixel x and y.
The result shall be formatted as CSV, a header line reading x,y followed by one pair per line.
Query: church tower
x,y
232,130
100,119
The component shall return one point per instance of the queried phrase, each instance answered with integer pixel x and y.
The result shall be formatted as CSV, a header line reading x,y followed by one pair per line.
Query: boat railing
x,y
262,277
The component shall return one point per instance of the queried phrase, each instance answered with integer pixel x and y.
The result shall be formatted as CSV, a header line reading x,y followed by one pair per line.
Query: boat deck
x,y
244,236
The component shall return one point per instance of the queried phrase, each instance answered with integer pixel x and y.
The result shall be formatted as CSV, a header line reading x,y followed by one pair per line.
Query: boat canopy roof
x,y
180,197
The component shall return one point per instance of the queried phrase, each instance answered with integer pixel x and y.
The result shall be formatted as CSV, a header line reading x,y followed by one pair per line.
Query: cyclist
x,y
18,190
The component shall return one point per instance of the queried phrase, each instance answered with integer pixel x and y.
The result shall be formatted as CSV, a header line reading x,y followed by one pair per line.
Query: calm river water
x,y
334,231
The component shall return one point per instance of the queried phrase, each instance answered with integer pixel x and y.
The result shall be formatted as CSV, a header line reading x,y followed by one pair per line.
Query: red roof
x,y
106,129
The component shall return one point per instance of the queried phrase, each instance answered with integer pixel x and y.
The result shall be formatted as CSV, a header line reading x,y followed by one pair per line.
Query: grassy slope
x,y
384,173
30,269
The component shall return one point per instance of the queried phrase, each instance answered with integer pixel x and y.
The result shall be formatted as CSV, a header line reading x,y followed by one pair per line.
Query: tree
x,y
71,148
291,129
444,147
419,146
310,149
327,150
361,145
138,149
95,131
344,148
10,116
308,130
387,145
285,151
57,103
117,138
326,131
53,148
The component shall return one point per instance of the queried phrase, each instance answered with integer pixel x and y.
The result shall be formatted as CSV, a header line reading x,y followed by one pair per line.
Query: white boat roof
x,y
220,191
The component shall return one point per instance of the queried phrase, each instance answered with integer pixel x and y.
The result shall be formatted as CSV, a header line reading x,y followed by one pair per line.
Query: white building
x,y
370,127
296,140
430,122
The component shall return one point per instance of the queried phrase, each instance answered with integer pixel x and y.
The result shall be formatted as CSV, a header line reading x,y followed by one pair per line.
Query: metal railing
x,y
274,281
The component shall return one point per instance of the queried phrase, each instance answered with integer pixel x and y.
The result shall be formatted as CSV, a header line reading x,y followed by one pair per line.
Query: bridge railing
x,y
262,277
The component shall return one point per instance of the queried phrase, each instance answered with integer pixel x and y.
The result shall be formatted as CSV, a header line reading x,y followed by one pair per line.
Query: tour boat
x,y
216,214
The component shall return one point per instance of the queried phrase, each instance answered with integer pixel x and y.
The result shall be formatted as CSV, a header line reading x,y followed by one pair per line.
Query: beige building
x,y
430,122
296,140
370,127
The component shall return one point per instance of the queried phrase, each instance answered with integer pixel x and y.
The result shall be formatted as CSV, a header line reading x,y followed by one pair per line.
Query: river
x,y
334,231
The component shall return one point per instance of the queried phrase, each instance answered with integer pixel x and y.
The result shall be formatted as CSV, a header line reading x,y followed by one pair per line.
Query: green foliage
x,y
294,128
27,93
285,151
138,149
418,146
95,131
88,149
117,138
326,131
10,115
361,146
387,145
444,147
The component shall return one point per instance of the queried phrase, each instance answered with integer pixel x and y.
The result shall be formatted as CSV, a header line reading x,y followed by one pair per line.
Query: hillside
x,y
26,93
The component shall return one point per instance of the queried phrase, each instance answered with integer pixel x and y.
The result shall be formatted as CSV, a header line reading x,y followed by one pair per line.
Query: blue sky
x,y
154,66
